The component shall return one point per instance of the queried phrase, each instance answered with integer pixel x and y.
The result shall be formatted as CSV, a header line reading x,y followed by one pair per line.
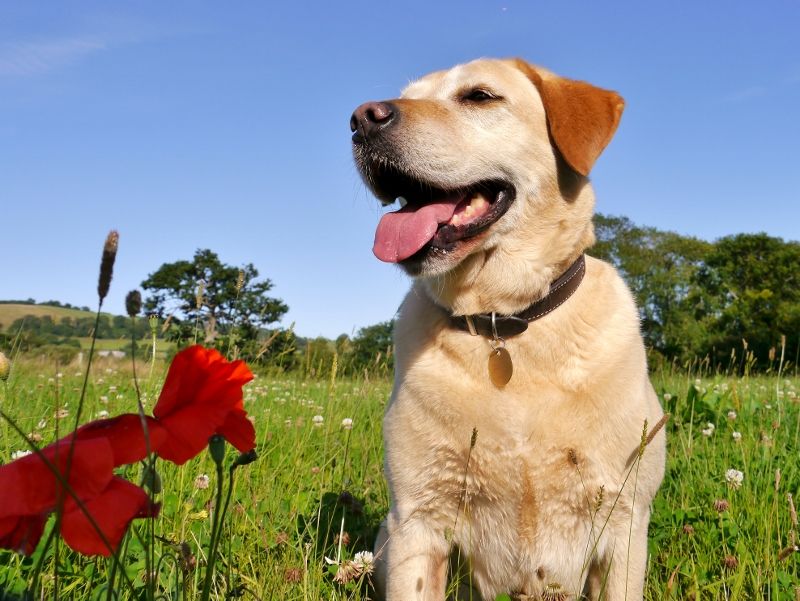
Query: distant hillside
x,y
10,312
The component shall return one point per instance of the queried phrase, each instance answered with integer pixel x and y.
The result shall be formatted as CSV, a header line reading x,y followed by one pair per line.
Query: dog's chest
x,y
524,513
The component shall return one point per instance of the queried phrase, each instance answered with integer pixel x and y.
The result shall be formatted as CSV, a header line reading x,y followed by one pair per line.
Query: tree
x,y
660,268
752,291
373,348
224,300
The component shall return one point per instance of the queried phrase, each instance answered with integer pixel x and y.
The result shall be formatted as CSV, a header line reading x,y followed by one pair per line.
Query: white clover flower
x,y
18,454
102,414
347,423
104,400
737,436
732,415
42,423
709,429
734,478
667,396
318,421
202,481
365,560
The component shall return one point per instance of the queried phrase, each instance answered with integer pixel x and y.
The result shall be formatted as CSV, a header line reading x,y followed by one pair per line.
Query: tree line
x,y
731,303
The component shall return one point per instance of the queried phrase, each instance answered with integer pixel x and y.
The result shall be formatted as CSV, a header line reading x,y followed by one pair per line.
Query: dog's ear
x,y
582,118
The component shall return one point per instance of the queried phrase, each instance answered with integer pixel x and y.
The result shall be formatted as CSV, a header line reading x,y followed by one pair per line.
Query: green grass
x,y
288,506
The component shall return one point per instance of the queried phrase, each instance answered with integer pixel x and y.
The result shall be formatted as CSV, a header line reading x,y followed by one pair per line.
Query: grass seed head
x,y
5,367
107,263
133,303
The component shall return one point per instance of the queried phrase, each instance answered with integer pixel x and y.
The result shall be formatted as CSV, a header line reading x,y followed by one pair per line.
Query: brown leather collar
x,y
506,326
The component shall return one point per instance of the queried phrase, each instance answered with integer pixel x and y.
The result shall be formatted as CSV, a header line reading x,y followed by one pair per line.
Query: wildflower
x,y
5,367
734,478
315,470
35,437
31,493
293,575
104,400
667,396
318,420
365,560
688,529
347,423
102,414
730,562
21,453
731,415
202,395
344,539
737,436
709,429
721,505
61,414
202,481
42,423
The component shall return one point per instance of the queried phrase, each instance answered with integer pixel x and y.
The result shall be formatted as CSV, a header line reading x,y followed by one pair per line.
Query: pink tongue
x,y
402,233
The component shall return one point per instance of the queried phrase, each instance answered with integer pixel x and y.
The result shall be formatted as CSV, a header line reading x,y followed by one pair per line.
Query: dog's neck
x,y
509,278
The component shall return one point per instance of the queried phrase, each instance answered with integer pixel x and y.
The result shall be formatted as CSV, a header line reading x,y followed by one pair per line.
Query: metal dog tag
x,y
500,367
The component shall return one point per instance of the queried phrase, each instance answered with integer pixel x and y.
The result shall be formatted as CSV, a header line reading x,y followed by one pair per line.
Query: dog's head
x,y
474,156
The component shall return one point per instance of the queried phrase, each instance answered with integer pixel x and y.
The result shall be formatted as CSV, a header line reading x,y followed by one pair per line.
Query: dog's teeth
x,y
403,202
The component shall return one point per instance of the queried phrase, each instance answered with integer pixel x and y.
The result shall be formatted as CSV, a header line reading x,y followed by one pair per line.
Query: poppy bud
x,y
245,458
216,446
151,480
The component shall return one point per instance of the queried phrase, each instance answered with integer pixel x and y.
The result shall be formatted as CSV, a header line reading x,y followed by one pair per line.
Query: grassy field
x,y
315,479
10,312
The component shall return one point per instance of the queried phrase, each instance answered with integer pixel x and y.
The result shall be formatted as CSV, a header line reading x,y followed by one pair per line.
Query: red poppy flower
x,y
31,491
202,396
30,488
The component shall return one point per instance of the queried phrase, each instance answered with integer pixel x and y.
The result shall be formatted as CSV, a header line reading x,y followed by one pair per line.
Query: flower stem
x,y
215,528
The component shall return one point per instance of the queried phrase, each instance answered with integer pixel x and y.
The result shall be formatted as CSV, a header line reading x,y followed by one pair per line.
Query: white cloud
x,y
34,57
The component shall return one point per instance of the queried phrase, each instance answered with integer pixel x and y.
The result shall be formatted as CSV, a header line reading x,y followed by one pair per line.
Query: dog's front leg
x,y
411,561
628,562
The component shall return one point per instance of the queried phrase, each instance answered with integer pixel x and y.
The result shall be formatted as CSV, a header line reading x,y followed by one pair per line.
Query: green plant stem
x,y
212,547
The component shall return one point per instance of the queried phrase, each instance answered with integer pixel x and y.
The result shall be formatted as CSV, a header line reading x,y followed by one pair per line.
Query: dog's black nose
x,y
369,118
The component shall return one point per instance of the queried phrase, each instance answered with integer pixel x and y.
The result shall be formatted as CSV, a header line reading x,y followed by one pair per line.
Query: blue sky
x,y
192,125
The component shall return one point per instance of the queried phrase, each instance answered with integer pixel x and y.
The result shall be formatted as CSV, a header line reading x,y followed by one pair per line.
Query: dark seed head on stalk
x,y
133,303
107,263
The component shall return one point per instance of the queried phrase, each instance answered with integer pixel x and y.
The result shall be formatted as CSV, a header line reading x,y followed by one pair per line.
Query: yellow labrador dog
x,y
523,431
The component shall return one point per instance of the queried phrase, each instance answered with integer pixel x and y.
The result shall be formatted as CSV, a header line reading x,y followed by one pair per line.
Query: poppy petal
x,y
30,488
239,431
112,510
22,534
126,436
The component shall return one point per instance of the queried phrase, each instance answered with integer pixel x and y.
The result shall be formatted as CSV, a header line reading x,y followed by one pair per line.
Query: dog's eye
x,y
478,95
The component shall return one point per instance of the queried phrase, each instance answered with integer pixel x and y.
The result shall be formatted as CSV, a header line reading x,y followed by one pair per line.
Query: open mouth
x,y
431,218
